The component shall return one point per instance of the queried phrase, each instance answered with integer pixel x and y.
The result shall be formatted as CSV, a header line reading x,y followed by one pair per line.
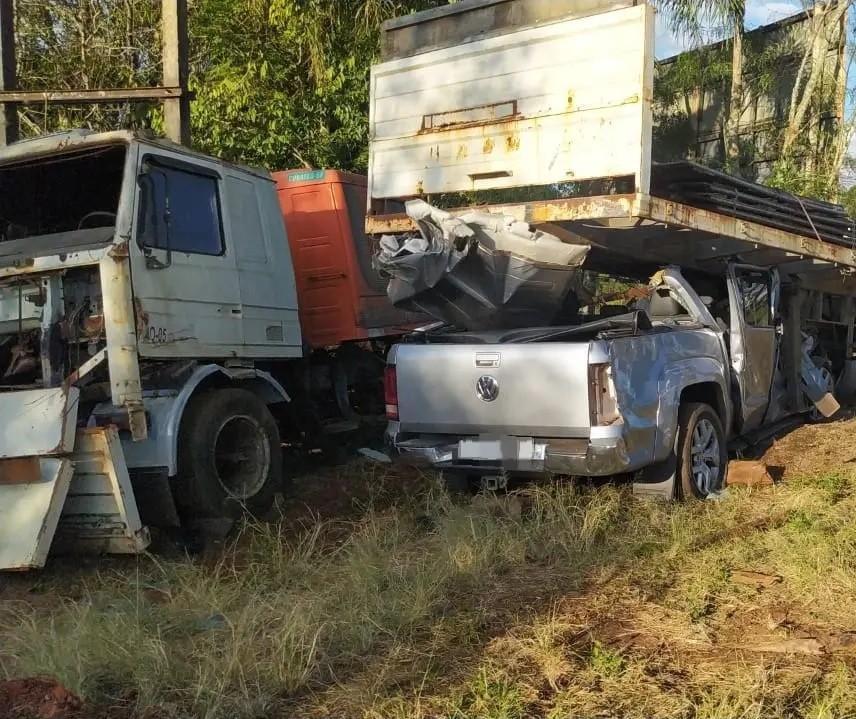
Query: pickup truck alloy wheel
x,y
705,457
229,456
701,451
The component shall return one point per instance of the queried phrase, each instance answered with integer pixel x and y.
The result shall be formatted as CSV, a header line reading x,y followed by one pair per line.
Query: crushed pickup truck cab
x,y
478,270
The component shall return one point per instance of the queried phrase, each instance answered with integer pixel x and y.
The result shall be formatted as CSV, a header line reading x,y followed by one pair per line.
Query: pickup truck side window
x,y
755,296
181,209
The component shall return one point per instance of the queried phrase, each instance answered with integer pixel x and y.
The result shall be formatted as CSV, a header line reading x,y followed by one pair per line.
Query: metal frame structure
x,y
173,94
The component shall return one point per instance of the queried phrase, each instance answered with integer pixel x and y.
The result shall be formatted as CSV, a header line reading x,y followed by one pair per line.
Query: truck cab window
x,y
755,296
179,211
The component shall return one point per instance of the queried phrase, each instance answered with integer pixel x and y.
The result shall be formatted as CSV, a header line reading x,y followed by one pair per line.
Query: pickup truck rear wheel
x,y
701,451
229,456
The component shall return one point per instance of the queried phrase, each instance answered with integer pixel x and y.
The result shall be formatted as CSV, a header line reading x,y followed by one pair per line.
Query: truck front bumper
x,y
602,454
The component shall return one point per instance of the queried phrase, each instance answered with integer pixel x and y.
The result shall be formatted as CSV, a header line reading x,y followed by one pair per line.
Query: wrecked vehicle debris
x,y
655,392
478,270
559,371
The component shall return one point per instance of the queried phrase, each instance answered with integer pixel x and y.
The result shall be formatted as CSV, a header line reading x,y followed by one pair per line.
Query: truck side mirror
x,y
153,227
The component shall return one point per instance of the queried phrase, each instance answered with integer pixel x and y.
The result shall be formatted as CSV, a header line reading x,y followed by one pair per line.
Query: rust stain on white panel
x,y
544,105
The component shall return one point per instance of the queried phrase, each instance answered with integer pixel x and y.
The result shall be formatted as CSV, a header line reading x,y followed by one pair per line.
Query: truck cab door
x,y
753,295
182,260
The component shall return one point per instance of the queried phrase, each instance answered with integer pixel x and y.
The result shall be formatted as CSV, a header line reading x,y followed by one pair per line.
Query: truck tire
x,y
701,452
229,456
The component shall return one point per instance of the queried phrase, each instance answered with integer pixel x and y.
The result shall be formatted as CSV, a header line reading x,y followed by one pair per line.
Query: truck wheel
x,y
701,451
229,456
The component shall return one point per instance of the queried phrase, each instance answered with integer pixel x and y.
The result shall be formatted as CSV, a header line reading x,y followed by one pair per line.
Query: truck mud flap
x,y
32,494
100,513
657,481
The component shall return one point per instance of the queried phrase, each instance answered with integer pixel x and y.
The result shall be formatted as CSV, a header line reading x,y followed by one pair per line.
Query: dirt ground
x,y
341,493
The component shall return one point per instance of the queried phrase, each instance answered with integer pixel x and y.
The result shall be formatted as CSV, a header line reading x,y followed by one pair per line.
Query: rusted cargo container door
x,y
320,264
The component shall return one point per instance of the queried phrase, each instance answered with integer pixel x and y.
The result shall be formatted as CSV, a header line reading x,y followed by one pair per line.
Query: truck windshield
x,y
61,193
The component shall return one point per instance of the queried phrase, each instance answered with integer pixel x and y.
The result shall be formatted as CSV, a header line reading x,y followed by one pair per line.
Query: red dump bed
x,y
341,298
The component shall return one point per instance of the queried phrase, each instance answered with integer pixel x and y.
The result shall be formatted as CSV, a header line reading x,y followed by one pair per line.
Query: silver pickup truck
x,y
653,392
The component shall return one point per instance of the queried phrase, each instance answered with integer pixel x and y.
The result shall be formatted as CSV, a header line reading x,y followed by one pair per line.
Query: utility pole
x,y
173,93
176,111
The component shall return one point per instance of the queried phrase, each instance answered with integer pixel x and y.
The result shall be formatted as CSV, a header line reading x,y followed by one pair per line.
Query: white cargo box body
x,y
563,101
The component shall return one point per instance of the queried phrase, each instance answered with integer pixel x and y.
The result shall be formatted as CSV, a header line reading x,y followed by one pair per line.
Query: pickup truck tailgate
x,y
517,389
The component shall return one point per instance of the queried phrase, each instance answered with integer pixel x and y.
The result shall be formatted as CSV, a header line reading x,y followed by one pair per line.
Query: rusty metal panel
x,y
38,422
100,512
30,511
677,214
468,20
19,470
531,107
536,213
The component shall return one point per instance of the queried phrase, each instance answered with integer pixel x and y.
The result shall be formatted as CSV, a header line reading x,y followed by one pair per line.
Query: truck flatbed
x,y
634,227
513,107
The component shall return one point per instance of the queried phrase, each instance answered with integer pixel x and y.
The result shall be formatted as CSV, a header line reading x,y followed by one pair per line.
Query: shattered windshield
x,y
60,194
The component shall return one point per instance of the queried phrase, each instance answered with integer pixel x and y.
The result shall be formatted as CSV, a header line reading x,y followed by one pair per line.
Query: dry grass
x,y
554,602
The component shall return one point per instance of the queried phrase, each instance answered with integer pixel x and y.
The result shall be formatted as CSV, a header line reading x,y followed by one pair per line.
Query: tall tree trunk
x,y
805,87
732,141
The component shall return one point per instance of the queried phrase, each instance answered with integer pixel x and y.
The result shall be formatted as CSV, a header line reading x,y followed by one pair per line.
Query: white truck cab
x,y
145,290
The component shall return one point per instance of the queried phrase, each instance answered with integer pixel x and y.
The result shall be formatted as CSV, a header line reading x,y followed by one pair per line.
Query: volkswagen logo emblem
x,y
487,388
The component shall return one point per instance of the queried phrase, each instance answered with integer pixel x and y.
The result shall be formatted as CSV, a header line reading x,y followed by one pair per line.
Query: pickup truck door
x,y
753,294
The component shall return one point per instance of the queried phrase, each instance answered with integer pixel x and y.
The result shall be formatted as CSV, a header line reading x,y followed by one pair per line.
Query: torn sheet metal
x,y
817,381
479,270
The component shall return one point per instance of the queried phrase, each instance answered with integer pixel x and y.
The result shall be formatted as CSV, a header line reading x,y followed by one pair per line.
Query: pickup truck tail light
x,y
390,392
602,399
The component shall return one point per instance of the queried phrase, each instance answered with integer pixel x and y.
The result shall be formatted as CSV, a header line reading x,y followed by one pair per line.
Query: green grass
x,y
552,602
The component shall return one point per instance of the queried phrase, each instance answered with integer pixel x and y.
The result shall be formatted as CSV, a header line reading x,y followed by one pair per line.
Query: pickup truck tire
x,y
701,451
229,456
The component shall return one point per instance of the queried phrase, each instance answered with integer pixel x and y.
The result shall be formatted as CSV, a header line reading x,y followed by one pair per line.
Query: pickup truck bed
x,y
601,403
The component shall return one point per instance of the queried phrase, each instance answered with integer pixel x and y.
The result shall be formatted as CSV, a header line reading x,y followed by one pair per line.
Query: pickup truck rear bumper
x,y
603,455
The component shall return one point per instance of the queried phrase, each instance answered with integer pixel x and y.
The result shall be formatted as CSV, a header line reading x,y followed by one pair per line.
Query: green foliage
x,y
690,18
606,662
489,697
848,200
277,83
285,83
86,44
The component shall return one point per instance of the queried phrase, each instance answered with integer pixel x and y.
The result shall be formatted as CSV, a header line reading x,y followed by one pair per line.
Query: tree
x,y
690,18
277,83
286,82
86,44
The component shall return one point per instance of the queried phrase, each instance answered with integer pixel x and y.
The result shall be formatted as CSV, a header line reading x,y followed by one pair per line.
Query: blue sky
x,y
758,12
